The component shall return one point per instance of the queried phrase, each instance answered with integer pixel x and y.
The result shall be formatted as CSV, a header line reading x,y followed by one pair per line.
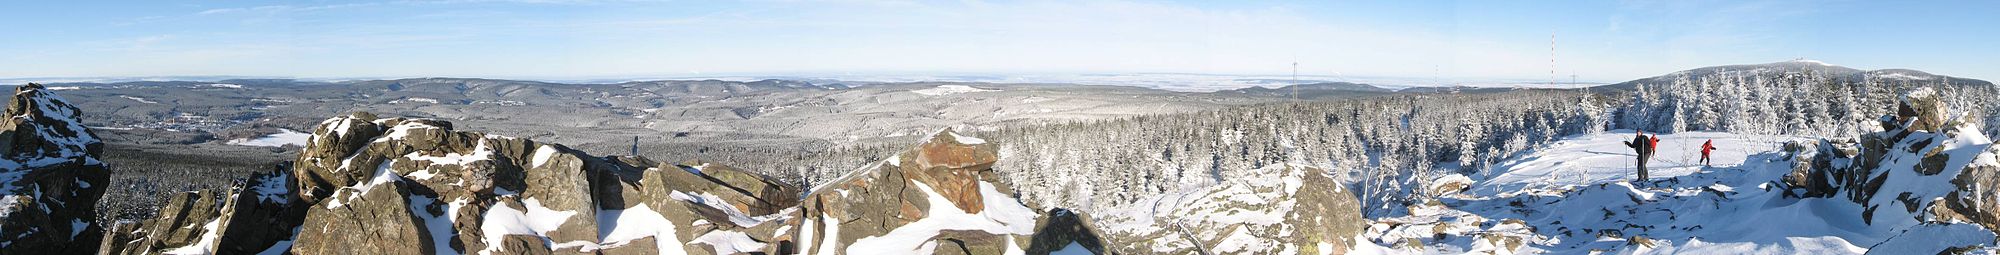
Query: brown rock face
x,y
50,178
378,222
912,187
953,167
1923,109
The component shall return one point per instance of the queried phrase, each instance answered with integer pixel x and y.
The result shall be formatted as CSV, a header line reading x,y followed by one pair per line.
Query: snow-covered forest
x,y
1826,102
1383,144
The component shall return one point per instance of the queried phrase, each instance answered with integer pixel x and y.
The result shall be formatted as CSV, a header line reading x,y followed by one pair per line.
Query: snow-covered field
x,y
1577,196
950,89
280,139
1603,157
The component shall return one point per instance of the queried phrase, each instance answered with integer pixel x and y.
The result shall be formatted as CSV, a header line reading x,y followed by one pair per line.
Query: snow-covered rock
x,y
50,176
1278,209
941,197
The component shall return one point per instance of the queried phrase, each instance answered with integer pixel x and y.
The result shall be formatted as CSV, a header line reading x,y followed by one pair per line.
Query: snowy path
x,y
1603,158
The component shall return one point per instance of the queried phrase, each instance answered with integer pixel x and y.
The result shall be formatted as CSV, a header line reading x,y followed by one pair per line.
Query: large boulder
x,y
940,198
50,177
419,179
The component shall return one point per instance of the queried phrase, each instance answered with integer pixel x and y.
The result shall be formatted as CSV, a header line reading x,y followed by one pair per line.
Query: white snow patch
x,y
729,242
439,226
620,227
273,189
966,139
140,99
502,220
1002,215
542,155
205,245
950,89
712,201
1072,249
280,139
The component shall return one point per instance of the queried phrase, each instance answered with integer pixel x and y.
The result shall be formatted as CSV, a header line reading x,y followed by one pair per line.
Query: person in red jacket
x,y
1706,146
1652,145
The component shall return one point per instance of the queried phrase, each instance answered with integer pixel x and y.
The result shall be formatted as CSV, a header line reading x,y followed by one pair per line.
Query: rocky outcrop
x,y
255,215
50,177
1300,209
1928,168
371,185
940,198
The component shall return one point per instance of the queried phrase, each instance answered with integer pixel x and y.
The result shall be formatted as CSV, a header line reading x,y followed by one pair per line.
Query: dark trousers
x,y
1642,168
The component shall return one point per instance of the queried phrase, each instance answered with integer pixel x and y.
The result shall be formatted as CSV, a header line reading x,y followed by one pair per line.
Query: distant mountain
x,y
1457,89
1809,67
1313,90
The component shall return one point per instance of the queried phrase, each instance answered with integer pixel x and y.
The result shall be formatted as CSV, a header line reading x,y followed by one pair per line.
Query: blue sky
x,y
1596,40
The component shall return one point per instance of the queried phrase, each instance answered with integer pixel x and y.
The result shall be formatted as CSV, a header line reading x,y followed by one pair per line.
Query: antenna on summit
x,y
1295,80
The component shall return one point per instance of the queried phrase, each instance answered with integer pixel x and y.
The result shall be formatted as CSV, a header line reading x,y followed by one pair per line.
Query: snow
x,y
204,245
272,188
502,220
438,226
966,139
1929,238
1576,190
221,85
480,152
542,155
383,174
1072,249
76,227
1809,61
280,139
140,99
1002,215
712,201
1603,157
831,243
620,227
950,89
729,242
415,100
1901,76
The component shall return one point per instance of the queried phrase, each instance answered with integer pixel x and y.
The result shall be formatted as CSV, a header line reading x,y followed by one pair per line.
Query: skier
x,y
1706,146
1642,146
